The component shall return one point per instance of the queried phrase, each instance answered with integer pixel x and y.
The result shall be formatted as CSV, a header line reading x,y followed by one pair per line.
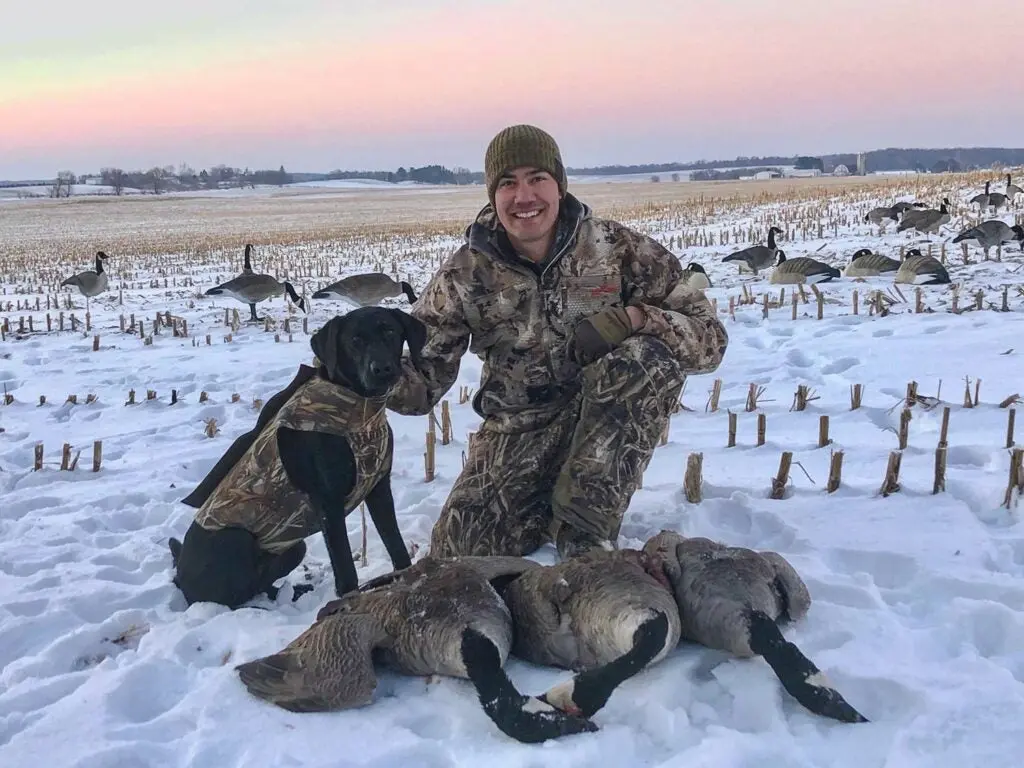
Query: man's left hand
x,y
599,334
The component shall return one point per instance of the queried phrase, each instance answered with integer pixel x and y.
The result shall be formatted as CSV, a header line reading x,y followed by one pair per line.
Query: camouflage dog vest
x,y
256,493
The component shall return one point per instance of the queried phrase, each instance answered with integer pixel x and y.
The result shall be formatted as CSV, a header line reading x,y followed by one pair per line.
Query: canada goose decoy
x,y
90,282
732,599
603,614
802,269
1012,190
878,216
912,214
250,288
992,233
757,257
903,206
367,289
437,617
918,269
247,267
982,199
996,200
695,276
865,263
927,221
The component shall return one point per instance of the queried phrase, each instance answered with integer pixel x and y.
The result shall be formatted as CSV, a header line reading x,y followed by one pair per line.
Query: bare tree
x,y
156,179
62,185
113,177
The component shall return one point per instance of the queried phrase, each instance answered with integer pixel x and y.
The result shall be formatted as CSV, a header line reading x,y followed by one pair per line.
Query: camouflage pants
x,y
581,468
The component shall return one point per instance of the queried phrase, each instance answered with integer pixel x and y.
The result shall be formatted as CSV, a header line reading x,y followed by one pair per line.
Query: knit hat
x,y
522,145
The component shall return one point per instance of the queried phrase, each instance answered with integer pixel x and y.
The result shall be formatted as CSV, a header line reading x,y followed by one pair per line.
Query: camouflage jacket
x,y
518,317
256,493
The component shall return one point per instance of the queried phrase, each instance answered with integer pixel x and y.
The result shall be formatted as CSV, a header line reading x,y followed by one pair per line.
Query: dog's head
x,y
363,348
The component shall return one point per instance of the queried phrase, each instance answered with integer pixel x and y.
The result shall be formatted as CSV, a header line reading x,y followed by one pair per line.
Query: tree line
x,y
184,177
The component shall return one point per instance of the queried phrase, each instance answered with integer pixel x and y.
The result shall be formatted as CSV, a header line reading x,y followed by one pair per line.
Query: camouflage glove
x,y
599,334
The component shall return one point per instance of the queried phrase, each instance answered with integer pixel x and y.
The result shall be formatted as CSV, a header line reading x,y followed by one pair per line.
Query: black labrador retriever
x,y
361,352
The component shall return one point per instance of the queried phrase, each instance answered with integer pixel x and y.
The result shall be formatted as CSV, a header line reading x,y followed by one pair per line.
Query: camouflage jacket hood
x,y
518,317
256,493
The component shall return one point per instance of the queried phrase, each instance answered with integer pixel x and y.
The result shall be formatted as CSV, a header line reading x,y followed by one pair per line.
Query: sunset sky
x,y
323,84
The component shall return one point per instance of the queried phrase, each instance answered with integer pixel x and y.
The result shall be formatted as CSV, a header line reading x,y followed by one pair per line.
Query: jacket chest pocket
x,y
507,315
586,295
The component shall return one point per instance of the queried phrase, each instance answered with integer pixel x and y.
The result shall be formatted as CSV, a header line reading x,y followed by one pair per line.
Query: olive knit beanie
x,y
522,145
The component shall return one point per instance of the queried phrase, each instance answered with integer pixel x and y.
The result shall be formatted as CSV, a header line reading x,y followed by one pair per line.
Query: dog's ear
x,y
415,334
325,343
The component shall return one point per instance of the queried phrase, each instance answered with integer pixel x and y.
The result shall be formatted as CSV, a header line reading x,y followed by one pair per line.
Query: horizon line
x,y
577,170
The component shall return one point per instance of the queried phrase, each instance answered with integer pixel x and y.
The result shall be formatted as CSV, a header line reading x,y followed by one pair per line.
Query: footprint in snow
x,y
842,365
145,692
799,359
888,570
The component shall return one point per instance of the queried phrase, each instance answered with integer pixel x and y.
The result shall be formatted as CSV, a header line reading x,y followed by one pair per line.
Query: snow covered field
x,y
918,613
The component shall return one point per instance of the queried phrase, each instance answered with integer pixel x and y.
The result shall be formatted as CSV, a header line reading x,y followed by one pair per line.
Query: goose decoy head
x,y
693,266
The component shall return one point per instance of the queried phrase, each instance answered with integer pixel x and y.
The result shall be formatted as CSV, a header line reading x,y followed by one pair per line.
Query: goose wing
x,y
796,596
876,261
327,667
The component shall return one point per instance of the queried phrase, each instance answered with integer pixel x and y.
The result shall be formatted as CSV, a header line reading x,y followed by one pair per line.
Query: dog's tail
x,y
175,546
798,674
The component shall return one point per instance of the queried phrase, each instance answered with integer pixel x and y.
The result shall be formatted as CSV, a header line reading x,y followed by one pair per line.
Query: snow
x,y
918,612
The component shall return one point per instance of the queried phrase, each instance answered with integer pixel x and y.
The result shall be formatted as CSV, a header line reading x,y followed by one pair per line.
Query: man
x,y
586,333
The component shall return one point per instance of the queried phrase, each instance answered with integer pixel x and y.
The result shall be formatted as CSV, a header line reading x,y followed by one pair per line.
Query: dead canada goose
x,y
927,221
90,282
695,276
918,269
867,264
1012,190
604,614
732,599
757,257
437,617
802,269
367,289
991,234
982,199
251,289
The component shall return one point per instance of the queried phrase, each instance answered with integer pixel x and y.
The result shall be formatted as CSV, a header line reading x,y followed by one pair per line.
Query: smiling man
x,y
586,333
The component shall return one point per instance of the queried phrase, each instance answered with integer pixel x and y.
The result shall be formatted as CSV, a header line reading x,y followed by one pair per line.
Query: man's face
x,y
526,201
